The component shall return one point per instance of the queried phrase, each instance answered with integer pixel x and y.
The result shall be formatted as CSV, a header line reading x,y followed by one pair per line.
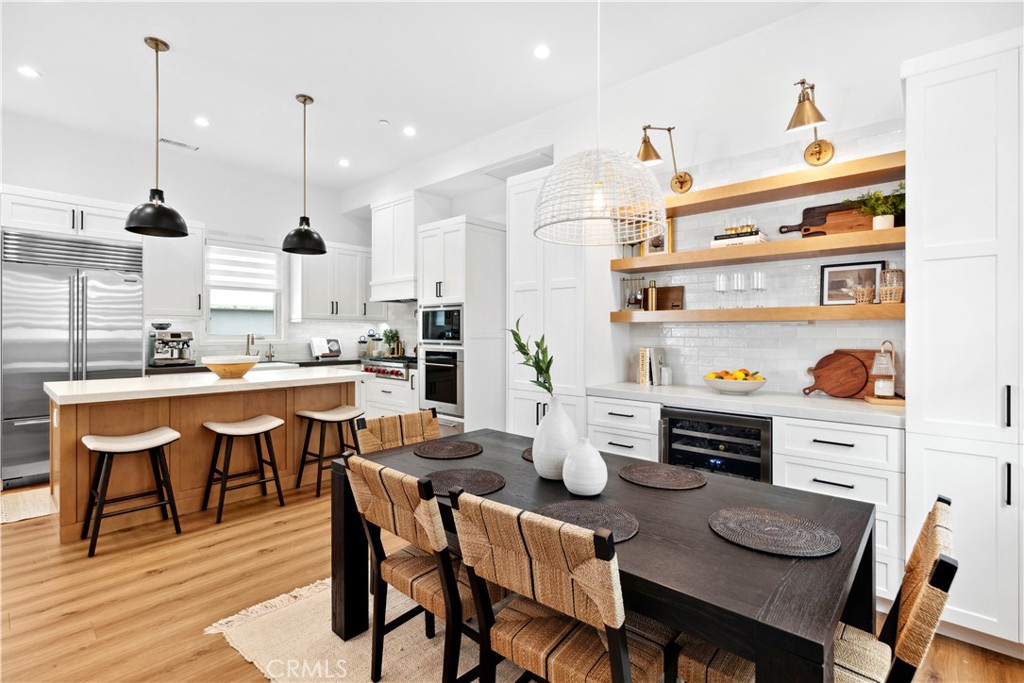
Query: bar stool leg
x,y
213,467
259,463
96,471
273,468
158,480
305,449
352,431
162,460
224,477
101,499
320,457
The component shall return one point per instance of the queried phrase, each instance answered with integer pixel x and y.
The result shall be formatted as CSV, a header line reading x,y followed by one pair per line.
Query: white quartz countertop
x,y
764,403
193,384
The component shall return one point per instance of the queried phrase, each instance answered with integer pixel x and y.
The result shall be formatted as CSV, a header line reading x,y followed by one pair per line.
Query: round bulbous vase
x,y
584,471
883,222
556,434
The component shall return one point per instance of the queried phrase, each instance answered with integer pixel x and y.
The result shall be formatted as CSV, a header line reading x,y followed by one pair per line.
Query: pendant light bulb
x,y
304,239
154,218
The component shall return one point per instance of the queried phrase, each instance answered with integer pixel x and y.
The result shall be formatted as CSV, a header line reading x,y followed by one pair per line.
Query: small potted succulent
x,y
883,208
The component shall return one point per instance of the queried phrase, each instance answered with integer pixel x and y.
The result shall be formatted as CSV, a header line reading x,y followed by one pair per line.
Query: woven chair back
x,y
419,427
921,603
549,561
381,433
391,500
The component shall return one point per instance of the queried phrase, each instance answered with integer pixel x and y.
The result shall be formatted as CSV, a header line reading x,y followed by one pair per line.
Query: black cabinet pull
x,y
620,445
81,221
385,391
74,219
1009,408
364,308
536,413
200,301
620,414
834,443
1009,480
833,483
544,413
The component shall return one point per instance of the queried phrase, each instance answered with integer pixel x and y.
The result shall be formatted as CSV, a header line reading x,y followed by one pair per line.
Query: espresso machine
x,y
171,347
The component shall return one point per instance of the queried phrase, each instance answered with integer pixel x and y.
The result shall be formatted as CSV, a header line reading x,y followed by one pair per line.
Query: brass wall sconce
x,y
806,115
681,182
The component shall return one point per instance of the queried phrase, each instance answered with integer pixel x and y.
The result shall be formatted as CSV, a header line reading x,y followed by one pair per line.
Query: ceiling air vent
x,y
175,143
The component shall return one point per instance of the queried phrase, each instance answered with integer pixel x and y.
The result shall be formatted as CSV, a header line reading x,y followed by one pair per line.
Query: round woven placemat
x,y
659,475
477,482
528,454
448,450
771,531
591,515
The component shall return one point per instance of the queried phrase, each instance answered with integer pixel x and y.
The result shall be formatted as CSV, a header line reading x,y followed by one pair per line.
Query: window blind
x,y
242,268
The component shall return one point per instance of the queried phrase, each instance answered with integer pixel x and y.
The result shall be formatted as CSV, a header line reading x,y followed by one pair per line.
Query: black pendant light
x,y
154,218
304,239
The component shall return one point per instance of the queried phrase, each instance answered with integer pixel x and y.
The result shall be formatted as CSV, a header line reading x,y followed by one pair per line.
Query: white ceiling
x,y
455,71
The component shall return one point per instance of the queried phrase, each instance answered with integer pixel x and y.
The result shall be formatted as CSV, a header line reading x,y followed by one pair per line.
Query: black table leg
x,y
349,561
860,605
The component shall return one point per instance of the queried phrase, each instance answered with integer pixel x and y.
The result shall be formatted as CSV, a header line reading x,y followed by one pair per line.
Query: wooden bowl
x,y
734,386
230,367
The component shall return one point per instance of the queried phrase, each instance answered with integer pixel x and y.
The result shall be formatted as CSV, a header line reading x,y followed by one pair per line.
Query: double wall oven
x,y
440,360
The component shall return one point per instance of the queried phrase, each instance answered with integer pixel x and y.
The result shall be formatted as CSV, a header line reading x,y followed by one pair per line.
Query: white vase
x,y
556,434
584,471
883,222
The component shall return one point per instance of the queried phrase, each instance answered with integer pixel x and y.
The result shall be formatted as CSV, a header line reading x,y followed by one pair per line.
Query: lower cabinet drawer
x,y
883,488
392,394
632,444
888,574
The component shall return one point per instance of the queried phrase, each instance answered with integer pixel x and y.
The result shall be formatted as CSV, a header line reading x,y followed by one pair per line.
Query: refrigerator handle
x,y
82,331
72,334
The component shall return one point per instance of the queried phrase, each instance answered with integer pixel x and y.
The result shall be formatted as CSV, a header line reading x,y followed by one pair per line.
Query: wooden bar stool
x,y
337,416
106,447
255,427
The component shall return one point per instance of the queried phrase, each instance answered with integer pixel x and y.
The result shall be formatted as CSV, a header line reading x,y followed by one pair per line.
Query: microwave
x,y
441,325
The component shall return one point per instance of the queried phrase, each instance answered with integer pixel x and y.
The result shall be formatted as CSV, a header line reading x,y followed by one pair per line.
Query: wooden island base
x,y
71,463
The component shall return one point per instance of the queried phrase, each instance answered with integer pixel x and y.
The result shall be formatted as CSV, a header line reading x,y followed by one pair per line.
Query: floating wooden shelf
x,y
830,178
863,242
786,314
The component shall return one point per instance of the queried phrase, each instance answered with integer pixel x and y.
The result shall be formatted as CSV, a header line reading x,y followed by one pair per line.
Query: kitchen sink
x,y
274,365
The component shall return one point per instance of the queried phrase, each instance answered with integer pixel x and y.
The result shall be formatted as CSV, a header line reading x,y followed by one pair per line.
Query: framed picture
x,y
333,348
839,280
662,244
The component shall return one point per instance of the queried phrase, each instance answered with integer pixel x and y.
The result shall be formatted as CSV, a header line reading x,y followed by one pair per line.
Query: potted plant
x,y
390,337
556,433
883,208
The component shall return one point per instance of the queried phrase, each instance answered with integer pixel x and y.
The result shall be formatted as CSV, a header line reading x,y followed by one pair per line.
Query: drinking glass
x,y
739,285
758,283
722,287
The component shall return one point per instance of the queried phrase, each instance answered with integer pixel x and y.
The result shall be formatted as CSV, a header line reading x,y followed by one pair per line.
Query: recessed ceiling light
x,y
28,72
542,51
384,122
202,121
344,163
409,130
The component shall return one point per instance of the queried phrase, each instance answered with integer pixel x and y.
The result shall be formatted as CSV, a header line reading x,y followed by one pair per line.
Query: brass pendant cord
x,y
156,143
304,105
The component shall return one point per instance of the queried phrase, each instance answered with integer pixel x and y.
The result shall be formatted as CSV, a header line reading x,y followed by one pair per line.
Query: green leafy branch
x,y
878,204
539,360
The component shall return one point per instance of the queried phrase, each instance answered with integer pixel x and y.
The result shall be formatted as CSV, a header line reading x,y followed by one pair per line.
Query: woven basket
x,y
864,295
892,294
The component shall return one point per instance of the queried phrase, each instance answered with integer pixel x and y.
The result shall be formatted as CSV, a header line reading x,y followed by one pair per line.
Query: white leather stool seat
x,y
250,427
338,414
131,443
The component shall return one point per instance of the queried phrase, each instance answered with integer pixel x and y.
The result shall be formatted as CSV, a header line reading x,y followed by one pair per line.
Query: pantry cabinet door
x,y
317,287
453,274
431,272
525,275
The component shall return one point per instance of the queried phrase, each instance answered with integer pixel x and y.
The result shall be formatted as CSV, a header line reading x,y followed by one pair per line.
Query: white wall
x,y
227,198
488,204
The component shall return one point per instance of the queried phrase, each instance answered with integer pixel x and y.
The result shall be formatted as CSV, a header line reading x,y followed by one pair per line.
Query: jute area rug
x,y
289,639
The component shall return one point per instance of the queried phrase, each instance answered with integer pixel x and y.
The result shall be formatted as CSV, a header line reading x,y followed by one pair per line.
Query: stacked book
x,y
754,236
651,360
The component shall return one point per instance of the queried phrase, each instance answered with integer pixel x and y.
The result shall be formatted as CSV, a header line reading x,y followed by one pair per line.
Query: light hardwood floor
x,y
136,611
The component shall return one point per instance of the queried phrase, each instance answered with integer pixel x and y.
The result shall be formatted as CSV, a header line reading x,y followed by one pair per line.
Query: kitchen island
x,y
183,402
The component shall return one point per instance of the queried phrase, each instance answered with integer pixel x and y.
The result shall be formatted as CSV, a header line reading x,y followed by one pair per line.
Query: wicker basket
x,y
864,295
892,294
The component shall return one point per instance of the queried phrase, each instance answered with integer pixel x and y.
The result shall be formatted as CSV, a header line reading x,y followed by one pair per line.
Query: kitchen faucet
x,y
250,339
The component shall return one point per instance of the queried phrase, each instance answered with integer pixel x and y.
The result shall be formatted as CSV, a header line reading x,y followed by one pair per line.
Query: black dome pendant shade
x,y
304,239
154,218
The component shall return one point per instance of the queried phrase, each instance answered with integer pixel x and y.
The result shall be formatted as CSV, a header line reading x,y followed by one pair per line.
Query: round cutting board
x,y
838,374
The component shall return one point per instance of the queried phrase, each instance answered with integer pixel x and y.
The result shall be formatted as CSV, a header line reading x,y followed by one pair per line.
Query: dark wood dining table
x,y
780,612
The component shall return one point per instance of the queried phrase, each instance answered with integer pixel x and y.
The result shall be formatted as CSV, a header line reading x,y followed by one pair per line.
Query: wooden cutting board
x,y
867,357
830,219
838,374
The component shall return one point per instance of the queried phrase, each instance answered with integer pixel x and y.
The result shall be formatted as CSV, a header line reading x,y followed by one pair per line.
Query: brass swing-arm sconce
x,y
681,182
806,115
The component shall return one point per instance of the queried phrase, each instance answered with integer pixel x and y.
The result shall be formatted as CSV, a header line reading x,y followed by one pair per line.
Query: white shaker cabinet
x,y
441,252
335,286
172,275
372,310
393,233
527,408
41,211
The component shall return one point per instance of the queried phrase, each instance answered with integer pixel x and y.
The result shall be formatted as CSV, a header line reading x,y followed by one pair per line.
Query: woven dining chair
x,y
900,648
381,433
566,623
424,570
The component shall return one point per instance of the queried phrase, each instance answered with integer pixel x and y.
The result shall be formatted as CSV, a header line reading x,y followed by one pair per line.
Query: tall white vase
x,y
584,471
556,434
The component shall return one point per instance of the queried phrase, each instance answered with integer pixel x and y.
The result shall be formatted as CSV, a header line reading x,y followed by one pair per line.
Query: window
x,y
244,290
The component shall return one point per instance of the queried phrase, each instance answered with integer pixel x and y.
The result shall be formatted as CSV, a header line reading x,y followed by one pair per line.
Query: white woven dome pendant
x,y
600,197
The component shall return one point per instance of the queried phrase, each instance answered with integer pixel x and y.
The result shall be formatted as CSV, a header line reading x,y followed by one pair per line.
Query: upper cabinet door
x,y
348,299
172,275
105,224
318,300
29,213
453,275
383,235
372,310
404,246
563,315
963,250
431,257
525,277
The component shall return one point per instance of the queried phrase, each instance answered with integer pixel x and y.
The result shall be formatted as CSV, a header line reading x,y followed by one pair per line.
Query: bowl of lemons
x,y
740,381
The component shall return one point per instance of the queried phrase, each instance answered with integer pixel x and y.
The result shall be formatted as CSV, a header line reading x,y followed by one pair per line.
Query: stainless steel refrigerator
x,y
72,309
